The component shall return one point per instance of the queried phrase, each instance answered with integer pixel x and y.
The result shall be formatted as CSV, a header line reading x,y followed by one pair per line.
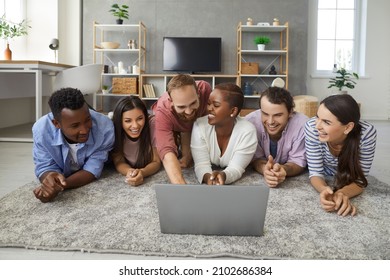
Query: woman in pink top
x,y
133,130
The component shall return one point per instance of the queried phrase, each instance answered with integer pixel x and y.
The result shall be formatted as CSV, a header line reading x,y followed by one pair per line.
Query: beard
x,y
186,118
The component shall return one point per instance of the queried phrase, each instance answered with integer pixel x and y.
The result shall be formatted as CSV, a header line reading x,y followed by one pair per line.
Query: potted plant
x,y
120,12
105,89
343,80
261,41
9,30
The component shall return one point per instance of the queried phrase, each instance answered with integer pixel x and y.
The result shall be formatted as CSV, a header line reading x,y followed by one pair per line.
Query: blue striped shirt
x,y
320,160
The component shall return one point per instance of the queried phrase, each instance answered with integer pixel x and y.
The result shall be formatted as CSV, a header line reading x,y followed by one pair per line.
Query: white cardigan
x,y
239,152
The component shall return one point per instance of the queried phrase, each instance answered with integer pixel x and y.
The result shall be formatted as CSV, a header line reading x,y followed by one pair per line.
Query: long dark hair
x,y
346,110
145,153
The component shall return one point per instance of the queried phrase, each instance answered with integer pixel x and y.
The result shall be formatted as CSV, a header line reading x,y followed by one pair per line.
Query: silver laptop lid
x,y
212,210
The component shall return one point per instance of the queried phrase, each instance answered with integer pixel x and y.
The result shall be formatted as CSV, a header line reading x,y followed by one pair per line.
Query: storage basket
x,y
306,104
249,68
124,85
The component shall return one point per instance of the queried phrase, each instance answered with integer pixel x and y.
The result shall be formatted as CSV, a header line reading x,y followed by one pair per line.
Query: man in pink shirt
x,y
175,112
281,138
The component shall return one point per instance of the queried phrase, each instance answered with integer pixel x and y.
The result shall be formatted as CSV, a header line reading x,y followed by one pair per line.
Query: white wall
x,y
69,20
373,89
50,19
42,16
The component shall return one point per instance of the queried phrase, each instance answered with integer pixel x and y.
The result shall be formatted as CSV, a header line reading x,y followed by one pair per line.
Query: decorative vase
x,y
8,53
273,70
247,89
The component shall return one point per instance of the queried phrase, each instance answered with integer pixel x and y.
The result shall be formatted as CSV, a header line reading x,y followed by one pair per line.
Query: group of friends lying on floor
x,y
193,125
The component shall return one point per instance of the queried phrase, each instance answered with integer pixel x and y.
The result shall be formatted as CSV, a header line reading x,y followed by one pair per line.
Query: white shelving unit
x,y
121,33
276,54
160,81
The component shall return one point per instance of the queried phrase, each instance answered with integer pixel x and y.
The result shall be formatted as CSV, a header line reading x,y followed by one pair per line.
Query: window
x,y
340,35
13,10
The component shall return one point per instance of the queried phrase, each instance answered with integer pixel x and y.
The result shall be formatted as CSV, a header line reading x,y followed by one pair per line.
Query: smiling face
x,y
133,121
330,129
274,117
75,124
219,109
185,102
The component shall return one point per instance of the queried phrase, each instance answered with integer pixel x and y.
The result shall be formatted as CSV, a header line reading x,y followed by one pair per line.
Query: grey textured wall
x,y
210,18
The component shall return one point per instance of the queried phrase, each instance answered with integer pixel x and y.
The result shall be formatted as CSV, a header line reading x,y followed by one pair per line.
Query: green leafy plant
x,y
120,12
262,40
343,79
104,87
9,30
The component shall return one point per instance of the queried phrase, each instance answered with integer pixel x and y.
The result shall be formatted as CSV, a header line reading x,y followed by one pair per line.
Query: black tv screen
x,y
192,54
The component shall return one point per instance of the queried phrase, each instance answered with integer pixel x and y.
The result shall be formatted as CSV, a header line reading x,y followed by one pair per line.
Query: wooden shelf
x,y
160,81
276,55
257,28
120,33
266,52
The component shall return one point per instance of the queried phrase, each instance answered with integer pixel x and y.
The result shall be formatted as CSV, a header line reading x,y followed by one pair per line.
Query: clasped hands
x,y
336,201
215,178
52,184
273,173
134,177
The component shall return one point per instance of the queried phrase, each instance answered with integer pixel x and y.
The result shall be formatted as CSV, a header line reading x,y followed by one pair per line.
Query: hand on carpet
x,y
343,204
326,200
134,177
51,186
46,195
336,202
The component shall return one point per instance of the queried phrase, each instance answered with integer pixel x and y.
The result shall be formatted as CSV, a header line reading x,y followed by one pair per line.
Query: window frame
x,y
359,41
17,16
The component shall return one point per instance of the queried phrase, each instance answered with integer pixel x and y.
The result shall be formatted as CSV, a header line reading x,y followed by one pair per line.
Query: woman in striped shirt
x,y
341,145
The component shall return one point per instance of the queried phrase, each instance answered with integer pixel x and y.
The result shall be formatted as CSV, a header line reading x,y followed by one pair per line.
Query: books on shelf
x,y
149,90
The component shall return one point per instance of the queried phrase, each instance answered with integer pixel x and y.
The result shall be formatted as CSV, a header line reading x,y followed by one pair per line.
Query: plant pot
x,y
261,47
336,91
7,53
105,91
119,21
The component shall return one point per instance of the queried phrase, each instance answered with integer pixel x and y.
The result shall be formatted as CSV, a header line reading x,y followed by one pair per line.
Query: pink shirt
x,y
291,146
167,122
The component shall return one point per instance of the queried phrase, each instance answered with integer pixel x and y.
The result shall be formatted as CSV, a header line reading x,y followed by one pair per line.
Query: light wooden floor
x,y
17,169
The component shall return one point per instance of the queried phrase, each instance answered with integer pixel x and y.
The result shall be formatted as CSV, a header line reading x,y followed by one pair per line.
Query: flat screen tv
x,y
192,54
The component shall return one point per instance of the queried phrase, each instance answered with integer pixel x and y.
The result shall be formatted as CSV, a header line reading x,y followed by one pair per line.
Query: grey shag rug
x,y
108,216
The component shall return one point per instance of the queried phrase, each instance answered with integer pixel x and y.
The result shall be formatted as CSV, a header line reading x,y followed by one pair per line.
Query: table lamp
x,y
54,45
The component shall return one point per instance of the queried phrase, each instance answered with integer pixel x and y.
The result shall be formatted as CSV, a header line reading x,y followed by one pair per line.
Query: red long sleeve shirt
x,y
167,122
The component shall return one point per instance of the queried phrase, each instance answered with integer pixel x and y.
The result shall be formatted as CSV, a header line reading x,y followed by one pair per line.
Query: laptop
x,y
212,210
